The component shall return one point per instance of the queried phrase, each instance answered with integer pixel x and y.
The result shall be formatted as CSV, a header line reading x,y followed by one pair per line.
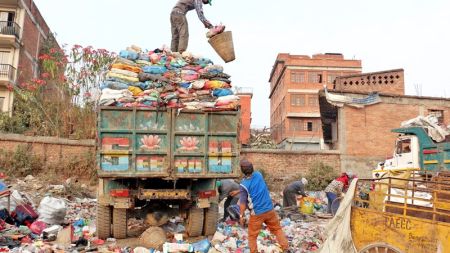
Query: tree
x,y
60,102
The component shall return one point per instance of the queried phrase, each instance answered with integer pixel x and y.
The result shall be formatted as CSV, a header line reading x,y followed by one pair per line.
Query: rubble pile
x,y
262,141
161,78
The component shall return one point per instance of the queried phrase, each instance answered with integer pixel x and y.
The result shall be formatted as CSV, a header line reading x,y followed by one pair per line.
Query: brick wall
x,y
282,166
51,150
387,82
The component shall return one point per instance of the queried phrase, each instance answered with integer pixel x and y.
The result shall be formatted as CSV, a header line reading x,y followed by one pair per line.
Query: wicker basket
x,y
223,44
153,237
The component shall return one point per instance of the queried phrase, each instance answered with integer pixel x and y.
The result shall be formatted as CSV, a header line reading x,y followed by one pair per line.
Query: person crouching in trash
x,y
229,190
336,188
292,190
255,196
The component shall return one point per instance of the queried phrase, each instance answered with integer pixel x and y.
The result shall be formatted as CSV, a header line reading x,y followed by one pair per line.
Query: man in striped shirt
x,y
179,24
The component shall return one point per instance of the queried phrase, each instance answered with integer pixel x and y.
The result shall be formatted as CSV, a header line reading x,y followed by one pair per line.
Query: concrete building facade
x,y
295,81
22,32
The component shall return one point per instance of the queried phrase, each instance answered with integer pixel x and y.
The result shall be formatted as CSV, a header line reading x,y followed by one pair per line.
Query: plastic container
x,y
223,45
307,205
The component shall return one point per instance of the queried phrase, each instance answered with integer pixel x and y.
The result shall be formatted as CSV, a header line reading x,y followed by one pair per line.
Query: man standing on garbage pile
x,y
179,24
292,190
255,196
336,188
228,189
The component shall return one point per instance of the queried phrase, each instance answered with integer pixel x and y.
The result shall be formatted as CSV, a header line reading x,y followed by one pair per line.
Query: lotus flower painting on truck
x,y
189,144
150,142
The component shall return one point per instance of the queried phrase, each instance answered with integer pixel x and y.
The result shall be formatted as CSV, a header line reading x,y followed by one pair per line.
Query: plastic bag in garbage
x,y
52,210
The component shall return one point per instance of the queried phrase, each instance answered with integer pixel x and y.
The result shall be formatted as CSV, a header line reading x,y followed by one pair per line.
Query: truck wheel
x,y
210,222
380,248
103,221
194,226
119,223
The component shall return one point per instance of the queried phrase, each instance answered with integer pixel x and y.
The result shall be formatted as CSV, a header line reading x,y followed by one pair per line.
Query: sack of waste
x,y
52,210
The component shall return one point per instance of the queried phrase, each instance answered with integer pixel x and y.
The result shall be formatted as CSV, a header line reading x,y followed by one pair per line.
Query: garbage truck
x,y
166,161
416,152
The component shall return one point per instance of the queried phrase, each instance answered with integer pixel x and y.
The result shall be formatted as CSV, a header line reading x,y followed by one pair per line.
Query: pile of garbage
x,y
30,221
161,78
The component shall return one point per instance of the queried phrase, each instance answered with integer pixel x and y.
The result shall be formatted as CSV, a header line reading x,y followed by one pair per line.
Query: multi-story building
x,y
22,32
295,81
245,95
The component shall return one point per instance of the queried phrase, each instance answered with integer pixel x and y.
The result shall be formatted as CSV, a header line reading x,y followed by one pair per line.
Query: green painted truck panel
x,y
167,143
433,156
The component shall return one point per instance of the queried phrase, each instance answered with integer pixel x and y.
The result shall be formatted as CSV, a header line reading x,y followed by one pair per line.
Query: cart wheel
x,y
380,248
335,205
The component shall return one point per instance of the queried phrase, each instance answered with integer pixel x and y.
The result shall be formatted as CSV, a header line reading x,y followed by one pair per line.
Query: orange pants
x,y
273,224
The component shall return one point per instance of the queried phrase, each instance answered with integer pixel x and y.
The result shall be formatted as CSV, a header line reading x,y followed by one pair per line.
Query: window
x,y
296,125
309,126
439,115
7,16
4,57
297,77
331,78
315,77
313,101
404,146
2,100
297,100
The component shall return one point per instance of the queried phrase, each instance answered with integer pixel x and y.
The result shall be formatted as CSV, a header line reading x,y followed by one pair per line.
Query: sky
x,y
384,34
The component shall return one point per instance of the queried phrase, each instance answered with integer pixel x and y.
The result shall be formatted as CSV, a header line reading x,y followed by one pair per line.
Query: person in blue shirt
x,y
255,196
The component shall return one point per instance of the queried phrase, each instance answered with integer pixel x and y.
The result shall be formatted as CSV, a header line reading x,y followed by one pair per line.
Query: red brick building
x,y
245,94
363,135
295,81
386,82
22,32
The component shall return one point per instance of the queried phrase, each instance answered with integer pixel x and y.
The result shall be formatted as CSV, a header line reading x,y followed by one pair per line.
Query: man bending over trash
x,y
179,24
255,196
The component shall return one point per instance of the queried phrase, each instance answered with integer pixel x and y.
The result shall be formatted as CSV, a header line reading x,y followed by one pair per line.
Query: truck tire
x,y
119,223
210,222
103,222
194,226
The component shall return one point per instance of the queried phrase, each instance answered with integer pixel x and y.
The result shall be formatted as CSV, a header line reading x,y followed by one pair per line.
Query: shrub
x,y
21,162
319,176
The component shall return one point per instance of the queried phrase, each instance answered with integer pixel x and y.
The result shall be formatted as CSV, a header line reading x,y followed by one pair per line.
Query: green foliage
x,y
319,176
59,102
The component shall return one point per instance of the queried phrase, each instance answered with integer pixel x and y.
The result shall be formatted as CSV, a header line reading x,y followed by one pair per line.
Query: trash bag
x,y
202,246
37,227
52,210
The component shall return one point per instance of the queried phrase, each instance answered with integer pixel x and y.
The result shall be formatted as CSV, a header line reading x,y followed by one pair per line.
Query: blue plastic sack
x,y
155,69
201,246
222,92
130,55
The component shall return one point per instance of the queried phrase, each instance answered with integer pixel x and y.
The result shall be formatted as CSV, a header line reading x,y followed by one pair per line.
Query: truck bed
x,y
167,143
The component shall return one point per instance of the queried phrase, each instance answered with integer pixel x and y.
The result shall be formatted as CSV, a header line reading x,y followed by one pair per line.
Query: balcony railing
x,y
7,72
10,28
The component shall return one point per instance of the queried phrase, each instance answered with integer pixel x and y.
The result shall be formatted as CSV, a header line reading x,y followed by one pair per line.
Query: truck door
x,y
404,153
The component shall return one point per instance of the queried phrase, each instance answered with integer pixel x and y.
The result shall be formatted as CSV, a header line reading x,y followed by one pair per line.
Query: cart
x,y
401,216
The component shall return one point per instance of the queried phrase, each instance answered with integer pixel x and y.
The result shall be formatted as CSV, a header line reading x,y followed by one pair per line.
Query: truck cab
x,y
415,151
